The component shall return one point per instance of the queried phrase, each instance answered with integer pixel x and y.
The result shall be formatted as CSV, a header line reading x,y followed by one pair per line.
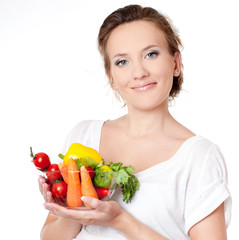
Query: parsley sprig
x,y
124,177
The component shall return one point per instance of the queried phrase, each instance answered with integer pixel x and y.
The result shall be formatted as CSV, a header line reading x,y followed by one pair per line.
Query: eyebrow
x,y
150,46
119,55
124,54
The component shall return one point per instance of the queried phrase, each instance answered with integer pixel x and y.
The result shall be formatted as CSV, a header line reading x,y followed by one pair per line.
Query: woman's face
x,y
141,67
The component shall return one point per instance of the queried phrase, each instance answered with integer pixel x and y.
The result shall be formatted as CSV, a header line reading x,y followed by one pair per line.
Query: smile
x,y
145,87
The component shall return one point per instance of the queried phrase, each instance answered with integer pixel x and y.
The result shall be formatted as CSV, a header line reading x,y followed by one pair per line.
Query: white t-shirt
x,y
174,195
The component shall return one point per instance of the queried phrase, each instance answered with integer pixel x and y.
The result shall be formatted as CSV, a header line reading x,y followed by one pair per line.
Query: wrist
x,y
126,224
60,228
130,227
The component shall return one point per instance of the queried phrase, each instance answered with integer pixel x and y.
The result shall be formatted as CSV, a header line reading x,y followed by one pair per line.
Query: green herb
x,y
101,163
124,177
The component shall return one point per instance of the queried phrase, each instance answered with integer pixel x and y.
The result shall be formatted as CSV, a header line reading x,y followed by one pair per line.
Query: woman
x,y
183,182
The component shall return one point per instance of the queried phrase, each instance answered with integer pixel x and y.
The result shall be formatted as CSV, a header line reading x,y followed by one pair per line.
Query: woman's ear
x,y
178,64
112,82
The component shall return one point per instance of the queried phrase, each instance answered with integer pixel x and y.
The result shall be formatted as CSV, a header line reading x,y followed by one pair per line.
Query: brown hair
x,y
132,13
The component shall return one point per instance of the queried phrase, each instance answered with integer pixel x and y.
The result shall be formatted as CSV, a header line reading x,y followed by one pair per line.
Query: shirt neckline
x,y
159,166
166,164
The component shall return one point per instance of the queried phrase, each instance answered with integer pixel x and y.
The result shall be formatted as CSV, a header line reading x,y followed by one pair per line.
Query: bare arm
x,y
109,214
212,227
56,228
133,229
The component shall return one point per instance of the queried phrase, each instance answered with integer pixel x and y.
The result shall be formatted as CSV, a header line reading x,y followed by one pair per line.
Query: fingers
x,y
45,189
41,180
111,208
103,212
93,202
49,197
60,211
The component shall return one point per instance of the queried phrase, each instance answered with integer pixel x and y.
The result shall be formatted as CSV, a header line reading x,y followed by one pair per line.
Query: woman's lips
x,y
145,87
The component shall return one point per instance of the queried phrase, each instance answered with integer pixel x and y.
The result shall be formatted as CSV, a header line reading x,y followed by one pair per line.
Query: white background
x,y
51,77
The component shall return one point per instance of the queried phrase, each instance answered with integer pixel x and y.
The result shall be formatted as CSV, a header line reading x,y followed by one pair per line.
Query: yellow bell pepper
x,y
81,151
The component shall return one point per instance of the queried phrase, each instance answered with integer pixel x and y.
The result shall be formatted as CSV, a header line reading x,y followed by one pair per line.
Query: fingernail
x,y
47,206
86,199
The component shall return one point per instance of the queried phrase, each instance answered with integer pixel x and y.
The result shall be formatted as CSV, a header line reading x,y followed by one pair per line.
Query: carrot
x,y
73,197
87,187
64,168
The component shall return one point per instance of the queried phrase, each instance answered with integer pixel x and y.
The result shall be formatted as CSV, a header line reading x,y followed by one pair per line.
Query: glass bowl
x,y
102,183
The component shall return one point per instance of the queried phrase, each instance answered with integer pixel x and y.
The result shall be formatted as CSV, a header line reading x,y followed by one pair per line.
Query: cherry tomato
x,y
53,173
102,192
59,189
91,171
41,160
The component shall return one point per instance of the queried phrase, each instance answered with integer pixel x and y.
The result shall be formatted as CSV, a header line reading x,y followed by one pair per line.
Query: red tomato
x,y
91,171
53,173
41,160
102,192
59,189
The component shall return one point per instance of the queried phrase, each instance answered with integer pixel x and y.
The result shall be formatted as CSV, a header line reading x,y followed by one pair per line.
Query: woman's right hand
x,y
55,227
44,188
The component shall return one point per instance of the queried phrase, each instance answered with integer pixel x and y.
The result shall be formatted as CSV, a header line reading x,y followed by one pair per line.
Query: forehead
x,y
135,36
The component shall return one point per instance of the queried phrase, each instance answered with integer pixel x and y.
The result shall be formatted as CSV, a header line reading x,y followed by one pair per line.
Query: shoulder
x,y
86,132
205,161
202,156
200,146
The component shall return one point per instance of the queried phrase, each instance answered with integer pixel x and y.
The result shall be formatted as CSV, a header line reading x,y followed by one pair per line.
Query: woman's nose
x,y
139,70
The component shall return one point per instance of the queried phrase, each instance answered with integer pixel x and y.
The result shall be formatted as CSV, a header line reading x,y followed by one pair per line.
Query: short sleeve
x,y
210,189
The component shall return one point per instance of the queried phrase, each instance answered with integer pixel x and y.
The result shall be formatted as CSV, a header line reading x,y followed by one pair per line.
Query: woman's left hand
x,y
103,213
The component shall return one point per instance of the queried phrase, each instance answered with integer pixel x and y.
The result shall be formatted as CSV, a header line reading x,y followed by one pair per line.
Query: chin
x,y
149,105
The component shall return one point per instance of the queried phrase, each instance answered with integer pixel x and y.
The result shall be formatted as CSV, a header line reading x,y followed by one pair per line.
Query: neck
x,y
142,123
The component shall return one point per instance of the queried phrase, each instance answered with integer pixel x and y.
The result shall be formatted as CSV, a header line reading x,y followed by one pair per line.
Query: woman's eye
x,y
121,62
152,54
